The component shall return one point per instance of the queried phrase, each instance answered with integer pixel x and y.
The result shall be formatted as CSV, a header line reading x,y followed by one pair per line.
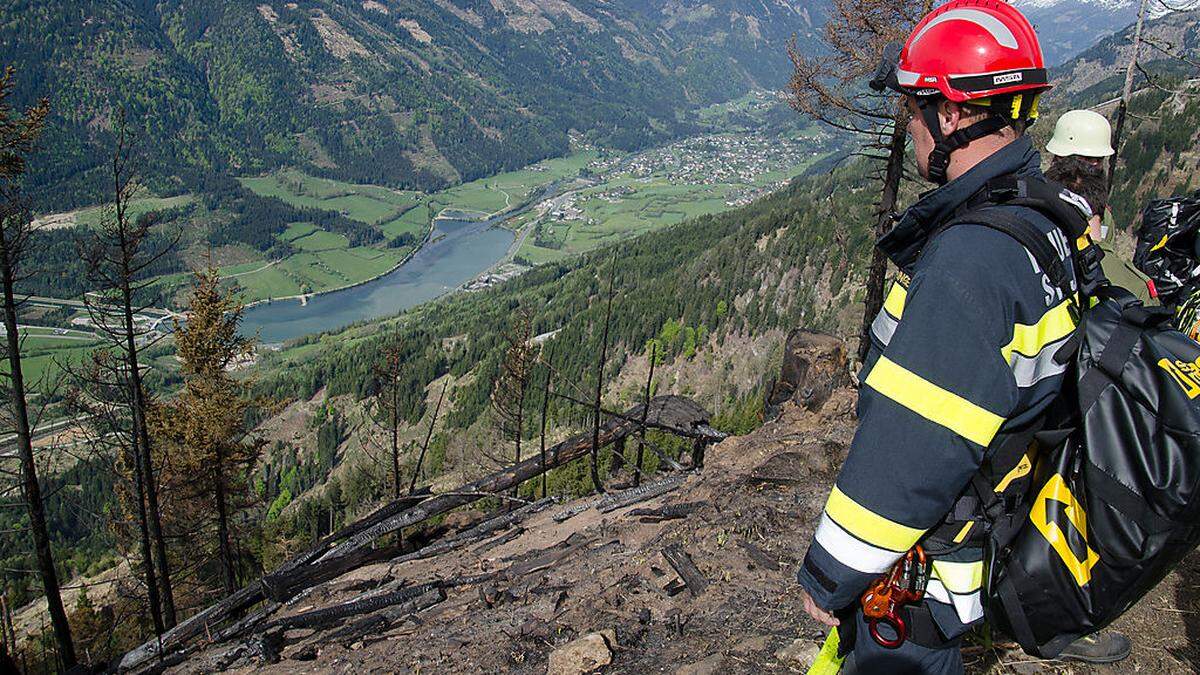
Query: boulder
x,y
584,655
799,655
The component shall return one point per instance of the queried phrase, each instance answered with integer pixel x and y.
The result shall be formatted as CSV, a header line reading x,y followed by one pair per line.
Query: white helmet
x,y
1081,132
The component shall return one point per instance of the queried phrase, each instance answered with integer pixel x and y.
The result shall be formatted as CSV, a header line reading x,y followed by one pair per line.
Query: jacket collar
x,y
904,243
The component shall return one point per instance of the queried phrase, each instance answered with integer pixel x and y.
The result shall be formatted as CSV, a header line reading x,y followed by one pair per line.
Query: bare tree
x,y
511,389
829,88
412,485
545,415
18,132
386,413
600,362
1127,92
119,254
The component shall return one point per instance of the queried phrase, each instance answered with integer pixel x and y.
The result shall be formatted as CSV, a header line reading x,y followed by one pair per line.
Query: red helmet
x,y
982,52
968,50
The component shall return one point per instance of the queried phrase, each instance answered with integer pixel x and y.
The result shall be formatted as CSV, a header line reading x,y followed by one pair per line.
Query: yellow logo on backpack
x,y
1055,512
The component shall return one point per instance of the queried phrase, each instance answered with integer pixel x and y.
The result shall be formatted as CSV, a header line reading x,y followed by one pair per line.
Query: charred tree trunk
x,y
30,488
394,421
595,460
545,411
412,485
149,576
145,461
1126,94
877,275
228,569
637,475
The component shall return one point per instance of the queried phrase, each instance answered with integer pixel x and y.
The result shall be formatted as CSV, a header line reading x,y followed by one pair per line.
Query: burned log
x,y
201,623
281,587
319,618
669,512
682,563
643,493
478,532
759,556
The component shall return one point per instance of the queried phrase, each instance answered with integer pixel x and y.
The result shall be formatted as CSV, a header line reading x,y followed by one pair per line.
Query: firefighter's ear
x,y
950,116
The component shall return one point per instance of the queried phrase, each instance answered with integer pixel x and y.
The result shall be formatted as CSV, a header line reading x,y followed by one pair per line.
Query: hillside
x,y
1098,73
404,93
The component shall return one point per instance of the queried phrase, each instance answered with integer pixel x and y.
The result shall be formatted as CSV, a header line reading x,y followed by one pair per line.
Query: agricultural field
x,y
368,204
45,351
94,215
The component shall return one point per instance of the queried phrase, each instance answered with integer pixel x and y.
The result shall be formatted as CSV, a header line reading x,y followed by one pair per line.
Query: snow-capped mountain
x,y
1067,27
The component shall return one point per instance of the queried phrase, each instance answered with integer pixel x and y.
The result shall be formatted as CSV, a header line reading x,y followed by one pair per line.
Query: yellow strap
x,y
827,661
1016,106
962,534
869,526
942,407
1161,243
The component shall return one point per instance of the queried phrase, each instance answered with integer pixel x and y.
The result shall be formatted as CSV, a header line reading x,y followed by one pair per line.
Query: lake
x,y
461,251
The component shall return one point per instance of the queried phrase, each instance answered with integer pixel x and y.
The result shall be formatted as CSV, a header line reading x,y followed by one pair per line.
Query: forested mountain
x,y
406,93
1098,73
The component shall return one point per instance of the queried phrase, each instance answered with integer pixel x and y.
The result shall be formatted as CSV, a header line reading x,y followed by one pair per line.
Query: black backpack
x,y
1089,510
1166,246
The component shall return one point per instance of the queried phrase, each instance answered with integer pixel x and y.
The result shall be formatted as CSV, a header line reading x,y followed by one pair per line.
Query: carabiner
x,y
893,621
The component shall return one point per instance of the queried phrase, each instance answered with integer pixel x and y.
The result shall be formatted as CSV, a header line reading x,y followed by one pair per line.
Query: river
x,y
459,252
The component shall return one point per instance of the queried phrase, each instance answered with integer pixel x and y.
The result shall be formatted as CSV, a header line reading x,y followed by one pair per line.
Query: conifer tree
x,y
203,431
511,389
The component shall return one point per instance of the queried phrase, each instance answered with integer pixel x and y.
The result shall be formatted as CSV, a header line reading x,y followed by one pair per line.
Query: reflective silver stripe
x,y
852,551
907,78
884,327
986,21
1029,370
968,606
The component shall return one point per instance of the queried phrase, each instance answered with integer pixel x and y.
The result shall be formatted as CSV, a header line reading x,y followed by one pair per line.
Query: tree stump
x,y
814,365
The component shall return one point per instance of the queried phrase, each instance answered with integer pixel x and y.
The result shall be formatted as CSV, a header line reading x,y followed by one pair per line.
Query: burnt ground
x,y
755,505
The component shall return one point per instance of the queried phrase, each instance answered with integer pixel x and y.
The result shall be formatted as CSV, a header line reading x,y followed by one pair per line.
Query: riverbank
x,y
305,297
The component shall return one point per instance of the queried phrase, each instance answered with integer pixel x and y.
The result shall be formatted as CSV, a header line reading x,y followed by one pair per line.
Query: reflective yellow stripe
x,y
869,526
934,403
1054,325
962,534
1161,243
959,577
894,304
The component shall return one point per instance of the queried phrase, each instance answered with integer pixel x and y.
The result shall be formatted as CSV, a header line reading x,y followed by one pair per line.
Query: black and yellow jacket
x,y
961,358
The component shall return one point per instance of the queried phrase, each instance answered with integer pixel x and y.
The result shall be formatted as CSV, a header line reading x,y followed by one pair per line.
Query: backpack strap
x,y
1033,239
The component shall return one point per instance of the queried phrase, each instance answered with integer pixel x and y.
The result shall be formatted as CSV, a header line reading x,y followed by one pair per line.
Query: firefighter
x,y
962,354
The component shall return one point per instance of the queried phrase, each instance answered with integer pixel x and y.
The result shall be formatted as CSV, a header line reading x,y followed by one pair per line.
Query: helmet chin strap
x,y
939,157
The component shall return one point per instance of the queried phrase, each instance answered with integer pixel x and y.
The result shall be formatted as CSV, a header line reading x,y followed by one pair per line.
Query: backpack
x,y
1091,508
1166,245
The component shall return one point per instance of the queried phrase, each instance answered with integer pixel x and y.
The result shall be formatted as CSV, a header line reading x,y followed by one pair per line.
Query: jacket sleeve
x,y
930,404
